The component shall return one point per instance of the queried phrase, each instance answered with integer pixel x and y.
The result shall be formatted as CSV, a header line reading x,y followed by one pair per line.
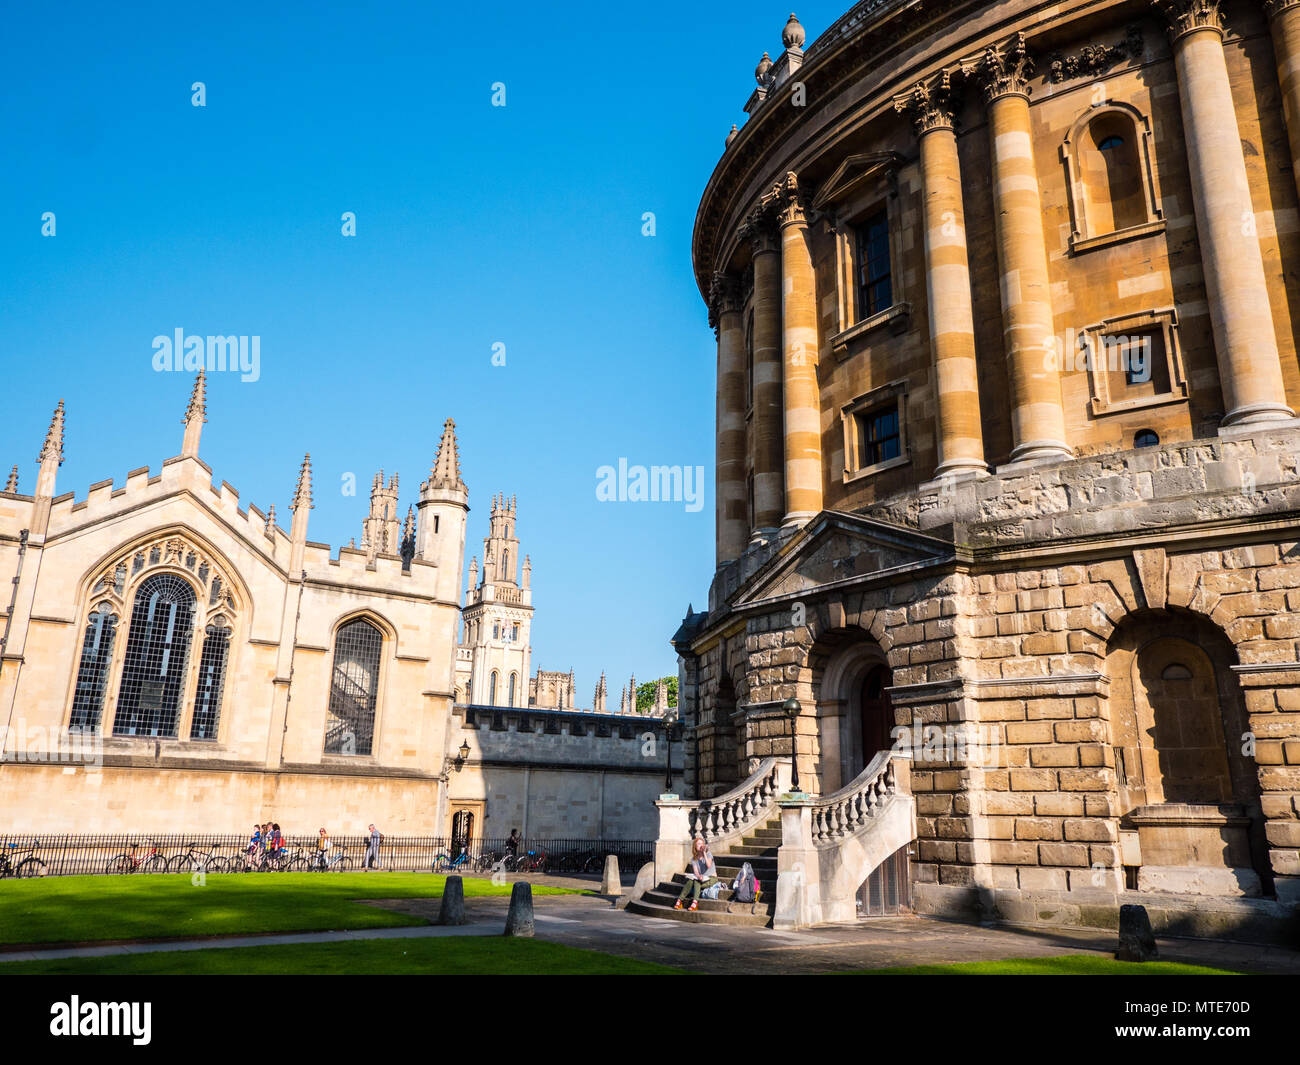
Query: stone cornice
x,y
1190,16
1002,69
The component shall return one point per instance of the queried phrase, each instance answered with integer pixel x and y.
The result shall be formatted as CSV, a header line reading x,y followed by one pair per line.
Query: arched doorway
x,y
875,715
1189,798
851,681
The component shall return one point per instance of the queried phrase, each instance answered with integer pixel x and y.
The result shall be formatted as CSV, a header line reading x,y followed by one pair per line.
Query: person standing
x,y
372,850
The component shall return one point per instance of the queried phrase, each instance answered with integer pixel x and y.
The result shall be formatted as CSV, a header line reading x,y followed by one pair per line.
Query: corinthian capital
x,y
787,202
724,296
1002,69
931,104
1273,8
759,230
1188,16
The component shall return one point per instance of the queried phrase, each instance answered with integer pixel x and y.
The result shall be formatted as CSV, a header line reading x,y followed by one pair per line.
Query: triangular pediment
x,y
835,548
853,172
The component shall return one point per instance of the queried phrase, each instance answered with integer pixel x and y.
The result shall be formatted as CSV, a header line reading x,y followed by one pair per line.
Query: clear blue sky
x,y
476,225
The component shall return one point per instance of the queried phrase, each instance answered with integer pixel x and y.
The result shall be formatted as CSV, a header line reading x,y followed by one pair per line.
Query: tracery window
x,y
92,672
157,654
354,689
149,680
212,680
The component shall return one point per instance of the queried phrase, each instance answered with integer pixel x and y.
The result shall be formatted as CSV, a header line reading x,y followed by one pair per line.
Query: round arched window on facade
x,y
1146,438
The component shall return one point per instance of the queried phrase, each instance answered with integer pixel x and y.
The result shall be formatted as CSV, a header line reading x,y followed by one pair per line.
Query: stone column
x,y
947,282
732,505
803,436
1037,420
1284,24
1250,371
769,476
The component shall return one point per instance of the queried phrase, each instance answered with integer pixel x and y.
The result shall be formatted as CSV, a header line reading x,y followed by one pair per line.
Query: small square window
x,y
878,436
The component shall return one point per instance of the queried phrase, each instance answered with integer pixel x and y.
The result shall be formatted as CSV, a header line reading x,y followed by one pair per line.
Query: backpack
x,y
745,887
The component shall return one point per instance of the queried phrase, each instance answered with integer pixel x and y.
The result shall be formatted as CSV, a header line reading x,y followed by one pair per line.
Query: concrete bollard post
x,y
453,902
1136,940
611,884
519,921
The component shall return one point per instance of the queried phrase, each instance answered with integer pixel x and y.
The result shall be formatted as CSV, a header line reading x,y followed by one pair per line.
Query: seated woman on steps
x,y
700,875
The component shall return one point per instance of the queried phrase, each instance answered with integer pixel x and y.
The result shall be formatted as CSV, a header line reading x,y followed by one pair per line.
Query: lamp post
x,y
463,751
792,708
669,719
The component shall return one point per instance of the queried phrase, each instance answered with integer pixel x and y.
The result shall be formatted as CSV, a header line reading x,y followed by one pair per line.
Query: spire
x,y
270,521
195,416
301,507
598,704
302,493
12,486
631,695
53,446
407,548
446,464
51,455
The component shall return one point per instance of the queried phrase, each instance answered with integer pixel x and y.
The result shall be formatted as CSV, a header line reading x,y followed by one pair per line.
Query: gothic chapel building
x,y
223,669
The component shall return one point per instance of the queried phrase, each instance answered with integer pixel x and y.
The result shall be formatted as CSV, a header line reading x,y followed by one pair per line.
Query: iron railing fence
x,y
69,854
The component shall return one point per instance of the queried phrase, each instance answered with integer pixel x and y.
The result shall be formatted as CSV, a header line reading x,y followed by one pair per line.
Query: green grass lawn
x,y
450,956
83,909
1065,965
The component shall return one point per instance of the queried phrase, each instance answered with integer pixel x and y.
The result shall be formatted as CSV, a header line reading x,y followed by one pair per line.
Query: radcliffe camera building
x,y
1005,299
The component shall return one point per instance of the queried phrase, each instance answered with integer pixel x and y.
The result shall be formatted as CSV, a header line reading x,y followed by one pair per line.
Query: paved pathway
x,y
594,923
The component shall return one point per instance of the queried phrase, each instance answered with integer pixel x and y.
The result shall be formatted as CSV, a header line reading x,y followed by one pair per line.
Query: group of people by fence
x,y
268,843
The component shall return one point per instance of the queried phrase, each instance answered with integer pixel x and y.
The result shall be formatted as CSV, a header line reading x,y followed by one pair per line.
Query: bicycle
x,y
443,863
532,862
28,867
129,862
193,859
491,861
338,861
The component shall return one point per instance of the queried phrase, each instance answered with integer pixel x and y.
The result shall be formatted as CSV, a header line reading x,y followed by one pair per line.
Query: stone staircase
x,y
759,848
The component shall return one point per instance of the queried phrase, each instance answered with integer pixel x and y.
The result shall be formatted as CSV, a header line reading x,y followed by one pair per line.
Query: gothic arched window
x,y
157,653
492,689
513,679
354,689
92,672
212,680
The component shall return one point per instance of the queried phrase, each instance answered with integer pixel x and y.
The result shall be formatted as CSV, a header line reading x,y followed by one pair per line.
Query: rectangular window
x,y
875,289
878,436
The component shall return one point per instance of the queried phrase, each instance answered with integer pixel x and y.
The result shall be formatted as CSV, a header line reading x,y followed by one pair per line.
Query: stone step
x,y
700,916
749,851
668,894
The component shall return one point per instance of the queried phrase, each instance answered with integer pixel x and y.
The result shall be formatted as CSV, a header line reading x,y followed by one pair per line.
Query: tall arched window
x,y
354,689
492,689
157,653
212,680
92,672
513,678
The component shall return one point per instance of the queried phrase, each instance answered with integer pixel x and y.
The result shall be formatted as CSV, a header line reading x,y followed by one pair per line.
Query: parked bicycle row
x,y
269,850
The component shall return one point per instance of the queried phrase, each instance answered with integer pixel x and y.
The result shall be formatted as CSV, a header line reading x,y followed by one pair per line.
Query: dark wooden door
x,y
877,714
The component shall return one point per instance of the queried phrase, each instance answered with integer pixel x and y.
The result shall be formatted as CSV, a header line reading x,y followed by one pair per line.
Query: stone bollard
x,y
611,884
453,902
1136,940
519,921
